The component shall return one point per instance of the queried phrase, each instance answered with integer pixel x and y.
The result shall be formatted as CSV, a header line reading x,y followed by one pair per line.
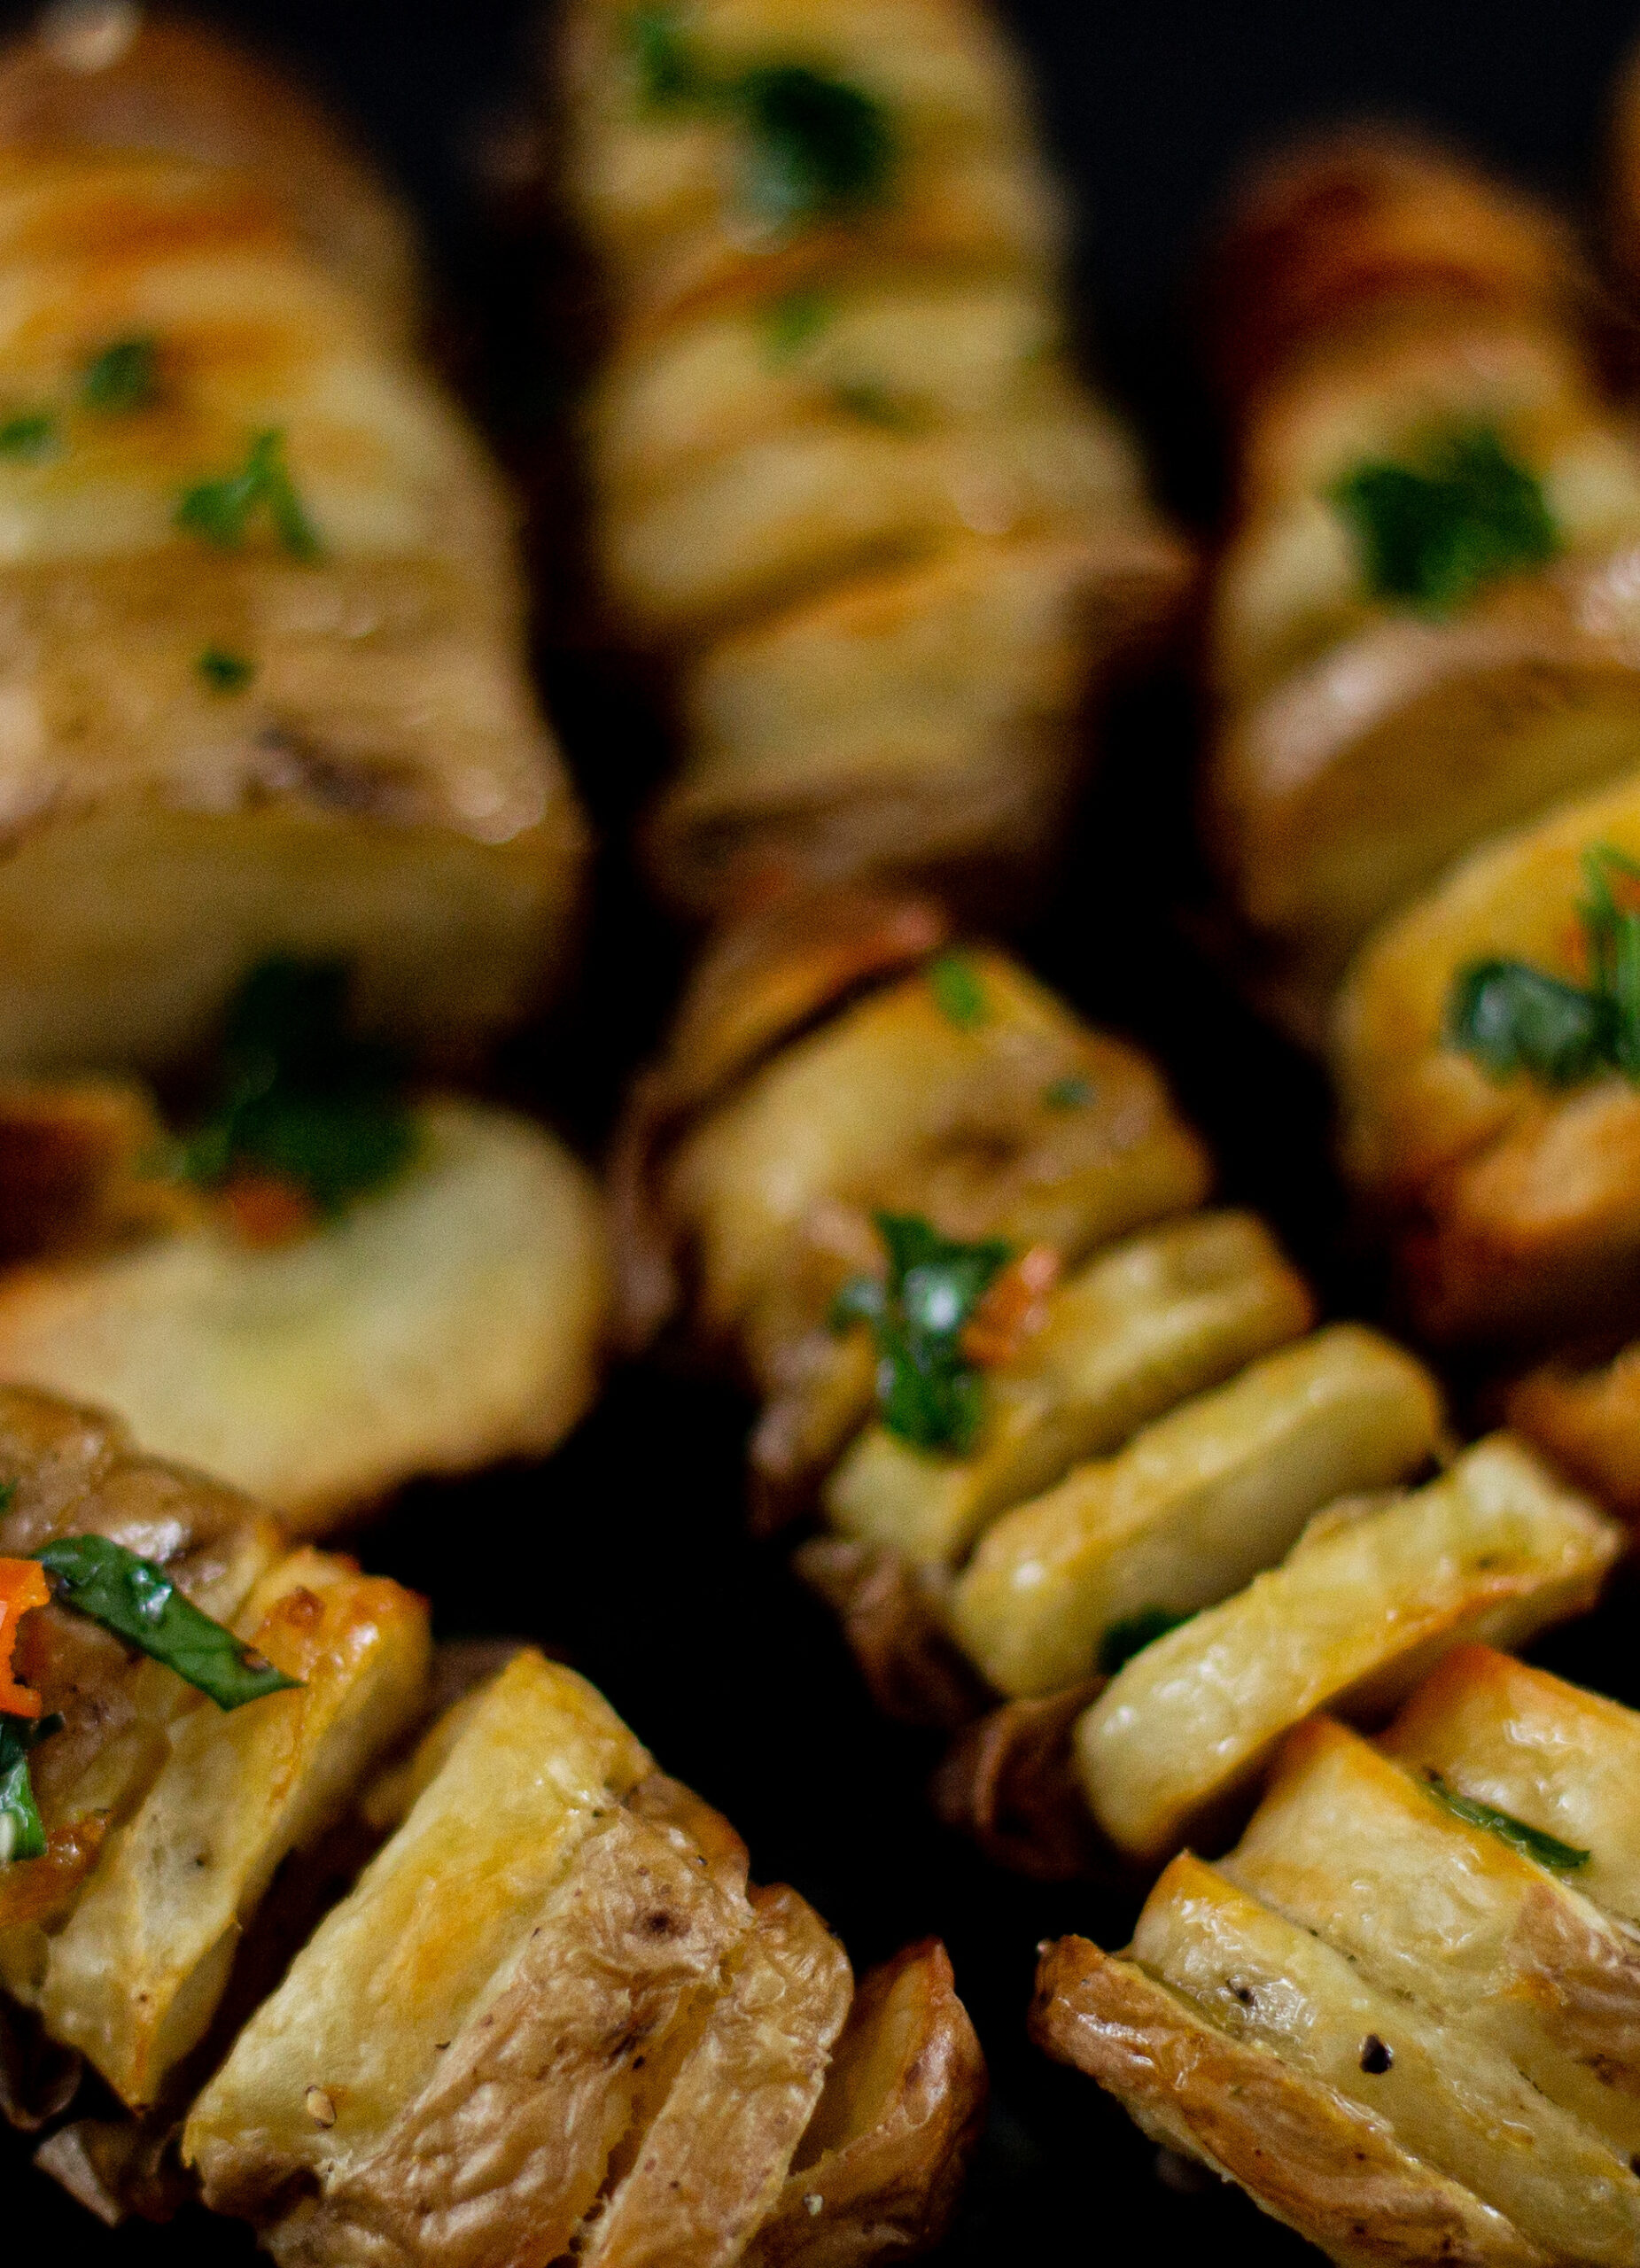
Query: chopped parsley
x,y
221,510
874,404
811,146
225,672
793,320
31,436
958,992
298,1099
139,1603
1132,1634
22,1835
1072,1093
8,1491
124,377
1436,531
1510,1017
1531,1842
929,1392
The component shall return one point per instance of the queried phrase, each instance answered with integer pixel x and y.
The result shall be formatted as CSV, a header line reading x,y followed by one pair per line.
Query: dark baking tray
x,y
627,1550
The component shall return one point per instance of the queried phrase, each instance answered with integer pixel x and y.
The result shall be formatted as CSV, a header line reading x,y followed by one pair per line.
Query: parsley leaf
x,y
875,404
669,74
124,377
958,992
30,435
1531,1842
790,321
1072,1093
299,1098
1132,1634
1509,1017
139,1603
1436,532
225,672
220,512
928,1390
22,1835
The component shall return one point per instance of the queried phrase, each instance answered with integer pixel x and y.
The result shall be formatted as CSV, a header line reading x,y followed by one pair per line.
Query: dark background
x,y
629,1549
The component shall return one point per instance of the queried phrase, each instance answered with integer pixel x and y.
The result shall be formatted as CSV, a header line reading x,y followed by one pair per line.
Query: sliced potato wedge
x,y
1586,1416
1363,1606
1194,1506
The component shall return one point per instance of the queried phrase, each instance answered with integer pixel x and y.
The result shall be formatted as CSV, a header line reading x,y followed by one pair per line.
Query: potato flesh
x,y
1163,1317
712,2163
1455,2101
1493,1549
1194,1506
894,1105
135,1978
492,1837
1452,1916
452,1318
1588,1420
1565,1762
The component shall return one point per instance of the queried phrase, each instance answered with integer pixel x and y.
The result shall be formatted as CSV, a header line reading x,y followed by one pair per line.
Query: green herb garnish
x,y
1510,1017
22,1834
8,1491
31,436
879,405
1436,531
1531,1842
790,321
221,510
1132,1634
669,74
225,672
299,1098
928,1390
124,377
1072,1093
139,1603
958,992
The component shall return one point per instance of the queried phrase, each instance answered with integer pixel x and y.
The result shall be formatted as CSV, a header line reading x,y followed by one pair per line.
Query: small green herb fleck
x,y
225,672
31,436
8,1491
669,73
928,1390
1436,531
1531,1842
816,146
878,405
795,319
139,1603
1130,1637
958,992
1073,1093
299,1098
124,377
220,512
1511,1018
22,1835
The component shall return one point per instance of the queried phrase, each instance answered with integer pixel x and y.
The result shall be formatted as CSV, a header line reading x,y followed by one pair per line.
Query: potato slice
x,y
1194,1506
1586,1416
454,1317
1304,2154
895,1104
1158,1319
1457,2101
1361,1608
1565,1762
713,2161
1452,1917
76,1163
135,1978
354,2039
879,2171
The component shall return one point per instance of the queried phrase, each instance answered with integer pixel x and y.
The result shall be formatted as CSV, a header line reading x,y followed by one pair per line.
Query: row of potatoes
x,y
1090,1482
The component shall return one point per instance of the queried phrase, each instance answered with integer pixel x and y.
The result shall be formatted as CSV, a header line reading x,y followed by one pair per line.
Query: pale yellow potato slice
x,y
1495,1549
1306,2155
455,1317
1452,1917
712,2164
369,2006
1194,1506
895,1106
1565,1762
136,1977
1453,2099
1141,1327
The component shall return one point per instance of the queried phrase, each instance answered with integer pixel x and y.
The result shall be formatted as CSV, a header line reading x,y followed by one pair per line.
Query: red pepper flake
x,y
1013,1310
268,1210
23,1586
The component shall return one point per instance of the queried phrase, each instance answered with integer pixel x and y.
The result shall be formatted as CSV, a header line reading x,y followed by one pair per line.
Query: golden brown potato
x,y
1377,302
260,626
1585,1414
455,1317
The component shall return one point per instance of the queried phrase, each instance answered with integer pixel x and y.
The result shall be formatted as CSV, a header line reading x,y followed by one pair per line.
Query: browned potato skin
x,y
1588,1419
72,1164
1306,2156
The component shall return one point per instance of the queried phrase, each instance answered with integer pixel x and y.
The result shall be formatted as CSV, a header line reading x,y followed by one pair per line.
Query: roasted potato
x,y
1399,2012
1386,315
262,652
846,482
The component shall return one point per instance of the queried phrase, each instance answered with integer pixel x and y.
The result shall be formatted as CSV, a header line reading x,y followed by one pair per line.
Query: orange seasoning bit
x,y
1013,1310
267,1208
23,1586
